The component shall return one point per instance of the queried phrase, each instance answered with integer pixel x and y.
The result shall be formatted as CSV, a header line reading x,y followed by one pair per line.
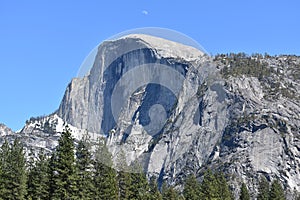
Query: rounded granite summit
x,y
169,43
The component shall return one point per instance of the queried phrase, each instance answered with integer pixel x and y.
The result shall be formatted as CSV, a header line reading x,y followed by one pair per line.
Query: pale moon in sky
x,y
145,12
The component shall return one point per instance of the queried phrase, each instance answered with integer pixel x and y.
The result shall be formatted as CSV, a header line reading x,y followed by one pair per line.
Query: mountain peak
x,y
167,48
178,112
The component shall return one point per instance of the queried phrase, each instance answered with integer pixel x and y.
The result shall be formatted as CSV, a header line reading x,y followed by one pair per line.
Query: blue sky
x,y
43,43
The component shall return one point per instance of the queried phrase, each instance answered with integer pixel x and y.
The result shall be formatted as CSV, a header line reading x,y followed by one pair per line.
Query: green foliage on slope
x,y
80,174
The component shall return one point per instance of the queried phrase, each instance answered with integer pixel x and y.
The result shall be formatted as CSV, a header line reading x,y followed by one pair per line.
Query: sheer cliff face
x,y
170,118
86,102
129,65
178,111
221,117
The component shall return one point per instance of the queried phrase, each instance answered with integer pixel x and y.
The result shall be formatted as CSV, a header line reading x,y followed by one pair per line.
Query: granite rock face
x,y
87,103
179,111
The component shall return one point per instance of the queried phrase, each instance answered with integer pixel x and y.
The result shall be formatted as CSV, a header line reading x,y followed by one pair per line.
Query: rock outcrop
x,y
179,111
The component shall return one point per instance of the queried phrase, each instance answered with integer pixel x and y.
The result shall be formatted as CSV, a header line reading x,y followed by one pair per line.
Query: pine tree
x,y
209,189
276,192
52,174
64,174
168,193
124,185
105,175
263,189
123,177
85,186
139,188
191,188
38,179
223,190
13,174
5,168
244,194
154,192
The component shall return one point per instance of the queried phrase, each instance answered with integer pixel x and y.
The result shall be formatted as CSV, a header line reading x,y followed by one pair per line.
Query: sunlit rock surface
x,y
242,124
